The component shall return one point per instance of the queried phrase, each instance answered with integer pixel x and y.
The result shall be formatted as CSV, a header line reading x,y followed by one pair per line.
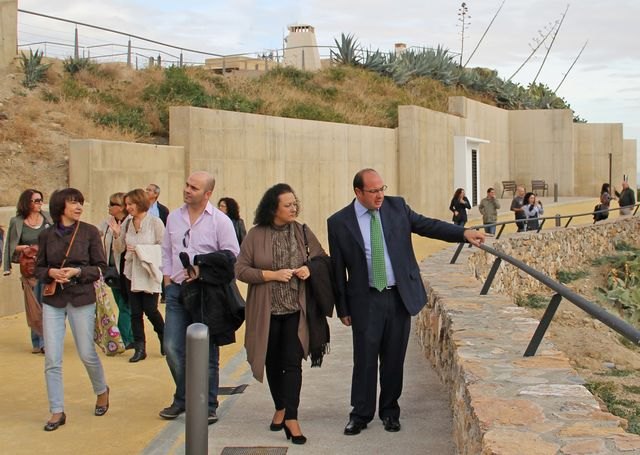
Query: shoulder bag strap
x,y
73,237
306,241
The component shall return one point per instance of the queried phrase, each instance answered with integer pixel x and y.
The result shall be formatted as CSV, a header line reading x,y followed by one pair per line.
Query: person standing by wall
x,y
195,228
626,198
516,207
379,289
155,207
22,235
117,215
532,211
459,206
489,207
232,209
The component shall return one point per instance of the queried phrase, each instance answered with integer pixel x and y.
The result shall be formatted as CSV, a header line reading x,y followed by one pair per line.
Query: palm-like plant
x,y
347,52
34,70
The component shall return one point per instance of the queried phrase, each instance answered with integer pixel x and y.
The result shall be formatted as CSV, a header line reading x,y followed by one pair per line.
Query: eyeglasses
x,y
114,204
186,238
382,189
36,201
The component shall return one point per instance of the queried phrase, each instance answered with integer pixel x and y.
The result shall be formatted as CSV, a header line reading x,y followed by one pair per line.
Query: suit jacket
x,y
163,212
346,247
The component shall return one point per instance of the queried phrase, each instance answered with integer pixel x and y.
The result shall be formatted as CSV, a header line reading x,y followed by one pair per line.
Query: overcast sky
x,y
603,86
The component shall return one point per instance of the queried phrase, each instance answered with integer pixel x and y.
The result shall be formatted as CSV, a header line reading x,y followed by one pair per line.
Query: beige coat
x,y
255,256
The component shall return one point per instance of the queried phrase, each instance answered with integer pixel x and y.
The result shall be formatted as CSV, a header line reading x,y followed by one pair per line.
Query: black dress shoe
x,y
391,424
138,356
354,427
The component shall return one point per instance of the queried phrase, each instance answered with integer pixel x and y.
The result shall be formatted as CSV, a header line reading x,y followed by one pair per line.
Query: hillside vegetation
x,y
46,104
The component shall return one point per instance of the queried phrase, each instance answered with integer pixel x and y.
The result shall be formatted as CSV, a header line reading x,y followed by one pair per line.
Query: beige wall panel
x,y
8,31
593,142
541,147
630,161
100,168
12,300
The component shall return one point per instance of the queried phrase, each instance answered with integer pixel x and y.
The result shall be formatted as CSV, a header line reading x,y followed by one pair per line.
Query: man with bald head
x,y
626,198
195,228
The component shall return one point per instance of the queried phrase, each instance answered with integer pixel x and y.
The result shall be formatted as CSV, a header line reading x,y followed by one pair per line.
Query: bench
x,y
508,185
539,185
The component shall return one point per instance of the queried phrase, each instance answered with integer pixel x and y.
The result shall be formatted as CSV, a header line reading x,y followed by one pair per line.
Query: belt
x,y
388,288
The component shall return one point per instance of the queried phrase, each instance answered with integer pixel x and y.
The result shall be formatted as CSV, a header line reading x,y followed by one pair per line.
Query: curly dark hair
x,y
23,207
233,209
268,205
59,200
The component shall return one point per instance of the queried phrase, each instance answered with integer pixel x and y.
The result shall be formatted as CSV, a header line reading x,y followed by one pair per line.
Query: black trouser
x,y
385,339
141,302
284,363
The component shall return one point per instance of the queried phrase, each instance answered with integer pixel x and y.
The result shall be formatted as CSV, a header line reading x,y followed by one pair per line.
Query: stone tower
x,y
301,49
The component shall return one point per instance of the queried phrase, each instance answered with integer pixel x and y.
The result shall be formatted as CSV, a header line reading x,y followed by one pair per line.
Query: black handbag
x,y
112,277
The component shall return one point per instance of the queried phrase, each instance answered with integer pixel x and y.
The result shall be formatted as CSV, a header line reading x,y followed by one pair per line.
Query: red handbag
x,y
27,261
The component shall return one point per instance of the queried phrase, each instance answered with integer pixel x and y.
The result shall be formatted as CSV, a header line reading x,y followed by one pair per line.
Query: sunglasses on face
x,y
36,201
114,204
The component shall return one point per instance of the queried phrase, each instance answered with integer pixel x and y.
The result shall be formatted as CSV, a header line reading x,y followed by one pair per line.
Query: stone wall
x,y
551,251
504,403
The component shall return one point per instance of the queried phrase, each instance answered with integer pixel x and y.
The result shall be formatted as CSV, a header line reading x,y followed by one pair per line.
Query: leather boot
x,y
138,355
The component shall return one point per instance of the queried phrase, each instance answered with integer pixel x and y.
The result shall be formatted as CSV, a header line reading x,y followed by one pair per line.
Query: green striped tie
x,y
377,253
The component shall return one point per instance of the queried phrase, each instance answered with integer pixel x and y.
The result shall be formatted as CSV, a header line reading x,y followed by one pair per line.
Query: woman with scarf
x,y
22,239
272,261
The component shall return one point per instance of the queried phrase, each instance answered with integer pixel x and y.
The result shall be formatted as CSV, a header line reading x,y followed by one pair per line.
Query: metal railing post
x,y
543,325
558,221
555,192
500,231
457,253
76,47
197,389
129,54
491,276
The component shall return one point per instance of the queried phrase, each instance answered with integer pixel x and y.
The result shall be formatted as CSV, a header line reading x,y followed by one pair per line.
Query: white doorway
x,y
466,167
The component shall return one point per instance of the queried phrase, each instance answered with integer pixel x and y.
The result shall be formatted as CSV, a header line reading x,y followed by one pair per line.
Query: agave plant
x,y
347,52
34,70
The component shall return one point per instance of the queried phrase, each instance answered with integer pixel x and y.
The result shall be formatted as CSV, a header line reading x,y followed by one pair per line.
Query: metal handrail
x,y
561,291
502,224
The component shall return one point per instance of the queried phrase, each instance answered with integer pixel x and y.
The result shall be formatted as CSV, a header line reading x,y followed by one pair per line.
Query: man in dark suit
x,y
155,207
379,288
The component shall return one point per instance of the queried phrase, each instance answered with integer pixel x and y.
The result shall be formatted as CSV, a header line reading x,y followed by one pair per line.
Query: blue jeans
x,y
82,322
37,342
177,319
490,229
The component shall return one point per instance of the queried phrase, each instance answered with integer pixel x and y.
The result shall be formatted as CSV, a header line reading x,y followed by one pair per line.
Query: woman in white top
x,y
140,239
532,209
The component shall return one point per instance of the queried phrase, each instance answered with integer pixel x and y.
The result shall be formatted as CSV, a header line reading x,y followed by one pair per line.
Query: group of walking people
x,y
293,285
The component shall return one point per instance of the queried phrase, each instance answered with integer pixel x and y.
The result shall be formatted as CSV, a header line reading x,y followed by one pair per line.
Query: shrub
x,y
308,111
236,102
73,65
71,89
34,70
532,301
567,276
126,118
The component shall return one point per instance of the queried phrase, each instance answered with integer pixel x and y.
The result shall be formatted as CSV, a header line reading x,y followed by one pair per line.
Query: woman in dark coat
x,y
459,206
232,209
74,299
272,261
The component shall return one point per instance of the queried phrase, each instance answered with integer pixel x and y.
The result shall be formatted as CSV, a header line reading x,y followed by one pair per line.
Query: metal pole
x,y
181,60
197,389
558,221
491,276
457,253
129,54
543,326
76,51
555,192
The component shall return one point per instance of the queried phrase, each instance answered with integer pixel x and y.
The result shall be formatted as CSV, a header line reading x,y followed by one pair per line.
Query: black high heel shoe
x,y
276,426
299,439
52,426
102,410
